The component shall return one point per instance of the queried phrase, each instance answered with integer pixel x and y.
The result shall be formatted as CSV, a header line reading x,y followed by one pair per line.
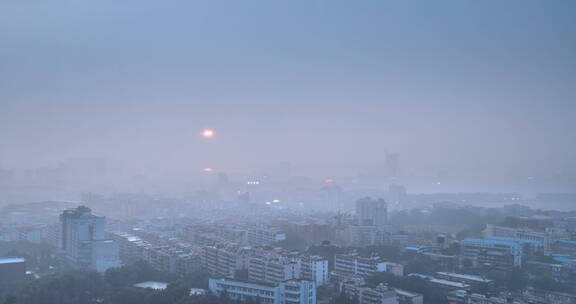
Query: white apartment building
x,y
261,236
380,294
352,264
284,267
224,259
314,268
287,292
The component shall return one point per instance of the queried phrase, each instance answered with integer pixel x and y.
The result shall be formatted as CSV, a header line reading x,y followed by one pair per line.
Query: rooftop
x,y
516,240
407,293
449,283
491,241
465,276
267,284
11,260
152,284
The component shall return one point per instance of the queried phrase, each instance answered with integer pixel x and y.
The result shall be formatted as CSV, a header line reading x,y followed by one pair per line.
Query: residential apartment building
x,y
314,268
407,297
286,292
261,236
284,267
219,261
465,297
353,264
380,294
496,253
163,258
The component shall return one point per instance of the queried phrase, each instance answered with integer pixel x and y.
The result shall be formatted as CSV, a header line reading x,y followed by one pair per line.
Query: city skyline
x,y
326,86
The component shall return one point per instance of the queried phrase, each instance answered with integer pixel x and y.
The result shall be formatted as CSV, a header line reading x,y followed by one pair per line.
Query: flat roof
x,y
261,283
491,241
407,293
152,284
198,291
470,277
449,283
11,260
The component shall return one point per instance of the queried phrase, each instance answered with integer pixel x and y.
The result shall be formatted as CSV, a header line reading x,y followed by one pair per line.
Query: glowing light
x,y
207,133
328,180
253,183
208,170
268,203
276,201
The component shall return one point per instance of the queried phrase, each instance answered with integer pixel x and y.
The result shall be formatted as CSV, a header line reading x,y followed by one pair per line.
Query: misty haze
x,y
287,152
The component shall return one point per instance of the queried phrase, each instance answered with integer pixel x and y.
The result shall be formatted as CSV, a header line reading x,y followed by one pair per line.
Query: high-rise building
x,y
372,212
392,164
83,242
396,194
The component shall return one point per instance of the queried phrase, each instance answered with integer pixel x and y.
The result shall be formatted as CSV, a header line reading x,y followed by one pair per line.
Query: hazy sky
x,y
464,86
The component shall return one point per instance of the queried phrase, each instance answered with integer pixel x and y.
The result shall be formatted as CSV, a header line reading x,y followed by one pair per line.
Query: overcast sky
x,y
463,86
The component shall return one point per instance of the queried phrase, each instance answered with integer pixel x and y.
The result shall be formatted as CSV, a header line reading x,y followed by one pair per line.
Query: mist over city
x,y
287,152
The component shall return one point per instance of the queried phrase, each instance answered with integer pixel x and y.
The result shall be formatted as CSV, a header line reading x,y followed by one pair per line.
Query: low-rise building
x,y
12,269
261,236
287,292
547,237
164,258
363,294
224,259
441,283
465,297
494,253
472,280
537,296
280,266
408,297
445,262
353,264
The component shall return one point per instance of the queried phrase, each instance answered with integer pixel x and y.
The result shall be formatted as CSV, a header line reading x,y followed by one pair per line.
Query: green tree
x,y
516,279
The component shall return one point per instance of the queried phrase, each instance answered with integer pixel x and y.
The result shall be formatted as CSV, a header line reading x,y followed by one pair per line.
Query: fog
x,y
287,152
473,96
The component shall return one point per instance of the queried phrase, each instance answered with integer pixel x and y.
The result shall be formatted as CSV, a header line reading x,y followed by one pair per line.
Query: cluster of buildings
x,y
272,275
503,248
176,258
246,236
380,294
245,263
32,234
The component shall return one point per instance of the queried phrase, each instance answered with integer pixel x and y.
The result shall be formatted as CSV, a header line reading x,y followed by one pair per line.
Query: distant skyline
x,y
474,88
